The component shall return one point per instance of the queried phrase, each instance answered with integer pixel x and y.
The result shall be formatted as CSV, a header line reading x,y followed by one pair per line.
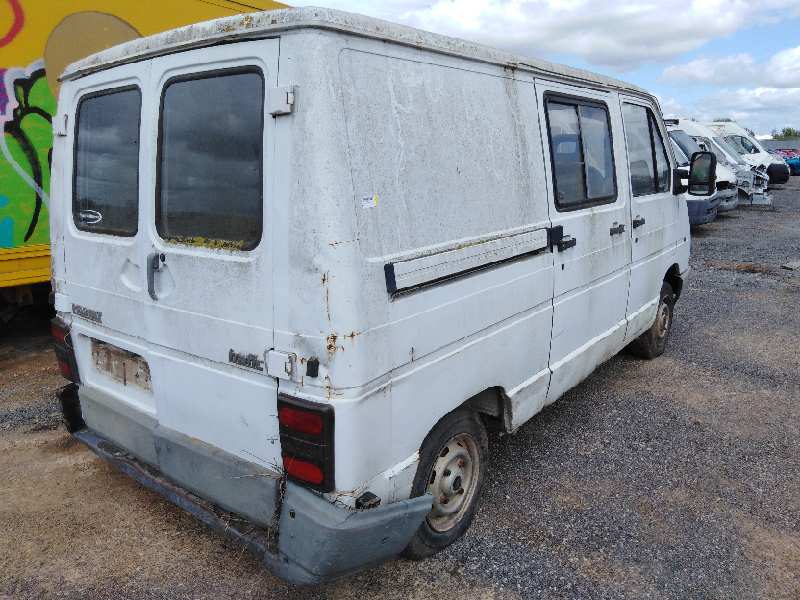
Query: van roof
x,y
689,126
262,24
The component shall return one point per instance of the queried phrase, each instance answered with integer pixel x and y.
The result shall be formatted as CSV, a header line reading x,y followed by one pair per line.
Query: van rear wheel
x,y
451,468
652,343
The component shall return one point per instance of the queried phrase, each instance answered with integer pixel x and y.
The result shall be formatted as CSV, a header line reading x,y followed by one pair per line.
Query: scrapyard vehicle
x,y
752,180
701,210
693,137
303,259
751,150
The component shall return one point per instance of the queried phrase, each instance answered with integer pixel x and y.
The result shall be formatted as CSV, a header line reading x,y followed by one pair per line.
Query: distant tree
x,y
786,133
723,120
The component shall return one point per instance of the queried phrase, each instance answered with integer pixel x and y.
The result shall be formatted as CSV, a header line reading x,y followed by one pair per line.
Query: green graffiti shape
x,y
29,139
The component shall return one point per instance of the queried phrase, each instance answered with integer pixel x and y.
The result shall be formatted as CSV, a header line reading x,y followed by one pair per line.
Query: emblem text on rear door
x,y
248,361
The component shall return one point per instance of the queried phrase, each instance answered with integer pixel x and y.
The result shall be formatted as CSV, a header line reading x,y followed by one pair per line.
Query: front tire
x,y
652,343
451,468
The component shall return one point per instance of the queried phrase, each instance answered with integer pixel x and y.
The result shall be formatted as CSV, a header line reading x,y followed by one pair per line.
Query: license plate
x,y
122,366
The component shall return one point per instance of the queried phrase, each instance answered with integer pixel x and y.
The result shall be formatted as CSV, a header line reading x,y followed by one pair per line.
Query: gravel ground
x,y
674,478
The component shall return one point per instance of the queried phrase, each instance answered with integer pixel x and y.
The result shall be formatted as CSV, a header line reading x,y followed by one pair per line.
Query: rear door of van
x,y
166,244
586,182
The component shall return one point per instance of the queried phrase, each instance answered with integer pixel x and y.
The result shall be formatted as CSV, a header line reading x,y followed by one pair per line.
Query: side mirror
x,y
703,174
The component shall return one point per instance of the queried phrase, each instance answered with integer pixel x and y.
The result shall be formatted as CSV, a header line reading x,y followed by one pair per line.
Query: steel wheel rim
x,y
453,482
663,319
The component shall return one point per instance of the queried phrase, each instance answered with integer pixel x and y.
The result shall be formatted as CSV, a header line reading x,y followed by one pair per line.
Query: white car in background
x,y
727,178
751,150
749,179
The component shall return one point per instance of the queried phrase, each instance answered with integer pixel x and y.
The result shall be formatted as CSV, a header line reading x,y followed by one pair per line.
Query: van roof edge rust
x,y
258,25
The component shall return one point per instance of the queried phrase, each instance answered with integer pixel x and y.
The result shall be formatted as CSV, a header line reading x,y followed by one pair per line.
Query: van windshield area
x,y
742,144
680,156
706,144
685,141
728,149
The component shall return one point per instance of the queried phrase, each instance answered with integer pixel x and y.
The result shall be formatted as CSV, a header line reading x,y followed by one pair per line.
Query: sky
x,y
703,59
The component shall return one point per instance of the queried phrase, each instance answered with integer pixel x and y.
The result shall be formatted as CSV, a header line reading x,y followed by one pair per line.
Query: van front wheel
x,y
653,342
451,468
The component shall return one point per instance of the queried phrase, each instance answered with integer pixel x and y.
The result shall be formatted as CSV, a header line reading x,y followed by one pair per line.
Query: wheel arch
x,y
674,279
493,406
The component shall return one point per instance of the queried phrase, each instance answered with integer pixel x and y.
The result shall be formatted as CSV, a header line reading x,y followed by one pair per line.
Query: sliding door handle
x,y
617,229
637,222
566,242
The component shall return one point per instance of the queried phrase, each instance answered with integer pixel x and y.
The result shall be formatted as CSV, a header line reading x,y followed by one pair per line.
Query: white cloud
x,y
782,70
671,107
762,109
621,35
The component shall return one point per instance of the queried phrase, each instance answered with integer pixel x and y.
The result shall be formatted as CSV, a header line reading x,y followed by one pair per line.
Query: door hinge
x,y
281,100
282,365
554,236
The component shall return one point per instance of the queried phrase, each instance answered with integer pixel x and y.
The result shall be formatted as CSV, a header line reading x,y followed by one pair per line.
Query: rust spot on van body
x,y
330,343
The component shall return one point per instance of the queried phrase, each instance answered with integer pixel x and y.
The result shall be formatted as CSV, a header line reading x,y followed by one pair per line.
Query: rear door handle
x,y
638,222
154,262
618,229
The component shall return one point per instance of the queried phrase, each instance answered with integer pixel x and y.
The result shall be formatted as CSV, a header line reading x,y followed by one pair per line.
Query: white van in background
x,y
751,150
304,259
693,137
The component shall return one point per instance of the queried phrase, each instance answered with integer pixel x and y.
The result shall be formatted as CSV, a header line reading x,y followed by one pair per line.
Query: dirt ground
x,y
674,478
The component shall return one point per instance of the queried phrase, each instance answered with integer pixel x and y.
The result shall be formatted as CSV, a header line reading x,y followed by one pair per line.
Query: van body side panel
x,y
449,339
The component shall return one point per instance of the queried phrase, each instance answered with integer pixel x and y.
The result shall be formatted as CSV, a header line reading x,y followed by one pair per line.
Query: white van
x,y
751,150
692,137
304,259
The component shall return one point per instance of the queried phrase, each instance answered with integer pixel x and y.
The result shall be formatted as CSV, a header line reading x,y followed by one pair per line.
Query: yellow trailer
x,y
24,266
38,38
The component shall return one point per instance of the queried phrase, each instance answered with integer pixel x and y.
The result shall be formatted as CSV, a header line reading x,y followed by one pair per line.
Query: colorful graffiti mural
x,y
26,146
37,40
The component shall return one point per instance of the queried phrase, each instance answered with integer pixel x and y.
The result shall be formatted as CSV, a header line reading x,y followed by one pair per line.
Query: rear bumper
x,y
307,540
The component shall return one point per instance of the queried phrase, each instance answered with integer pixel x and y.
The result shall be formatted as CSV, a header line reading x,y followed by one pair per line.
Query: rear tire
x,y
451,468
652,343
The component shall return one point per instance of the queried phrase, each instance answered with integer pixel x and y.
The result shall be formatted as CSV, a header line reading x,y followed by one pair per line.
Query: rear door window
x,y
581,151
210,169
105,196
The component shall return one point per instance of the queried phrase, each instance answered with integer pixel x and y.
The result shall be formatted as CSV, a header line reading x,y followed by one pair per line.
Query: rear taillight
x,y
300,420
65,353
306,430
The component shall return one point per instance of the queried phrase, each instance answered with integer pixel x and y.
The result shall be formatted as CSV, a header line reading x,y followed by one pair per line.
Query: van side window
x,y
210,160
105,187
581,151
647,156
